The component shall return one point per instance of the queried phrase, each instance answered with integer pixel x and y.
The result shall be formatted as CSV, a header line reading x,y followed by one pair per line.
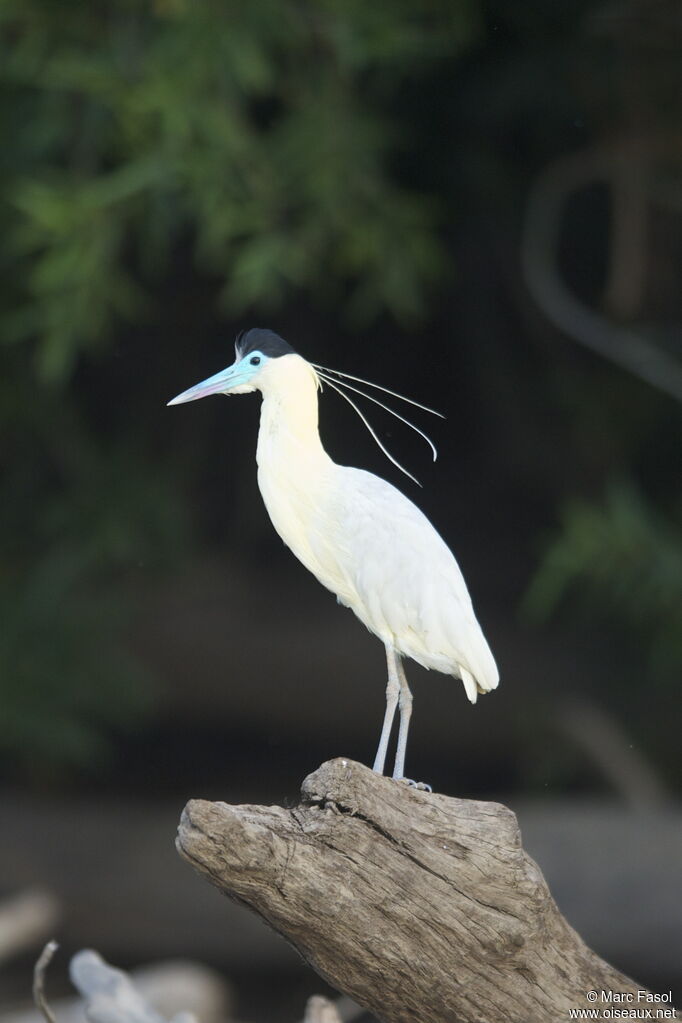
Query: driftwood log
x,y
421,907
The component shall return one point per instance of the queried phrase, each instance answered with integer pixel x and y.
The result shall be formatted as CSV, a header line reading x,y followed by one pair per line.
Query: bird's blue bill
x,y
228,380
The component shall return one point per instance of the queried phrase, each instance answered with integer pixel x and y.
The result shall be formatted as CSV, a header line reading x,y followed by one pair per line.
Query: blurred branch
x,y
39,972
628,250
321,1010
435,911
25,920
600,736
110,996
540,252
148,994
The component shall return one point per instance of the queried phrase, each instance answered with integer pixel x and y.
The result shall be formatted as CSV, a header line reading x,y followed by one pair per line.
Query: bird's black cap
x,y
259,340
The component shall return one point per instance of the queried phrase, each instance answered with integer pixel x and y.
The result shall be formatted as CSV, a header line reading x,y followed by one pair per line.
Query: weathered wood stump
x,y
421,907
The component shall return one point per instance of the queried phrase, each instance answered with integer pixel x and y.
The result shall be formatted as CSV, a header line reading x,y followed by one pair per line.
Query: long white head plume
x,y
338,383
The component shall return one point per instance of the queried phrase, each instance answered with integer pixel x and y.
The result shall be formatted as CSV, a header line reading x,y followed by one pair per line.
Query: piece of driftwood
x,y
26,919
39,972
321,1010
421,907
197,989
152,994
110,995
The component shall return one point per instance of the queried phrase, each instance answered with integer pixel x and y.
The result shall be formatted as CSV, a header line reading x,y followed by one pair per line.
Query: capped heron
x,y
359,536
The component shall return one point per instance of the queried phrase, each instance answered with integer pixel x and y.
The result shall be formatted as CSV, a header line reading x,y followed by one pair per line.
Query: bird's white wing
x,y
385,560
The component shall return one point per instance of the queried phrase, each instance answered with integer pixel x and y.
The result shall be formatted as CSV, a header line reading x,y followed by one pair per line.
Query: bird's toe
x,y
422,786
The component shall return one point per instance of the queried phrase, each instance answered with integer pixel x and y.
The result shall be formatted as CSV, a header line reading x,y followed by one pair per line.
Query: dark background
x,y
475,204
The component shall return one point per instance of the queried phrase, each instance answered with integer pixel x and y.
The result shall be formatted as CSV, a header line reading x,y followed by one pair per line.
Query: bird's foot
x,y
420,785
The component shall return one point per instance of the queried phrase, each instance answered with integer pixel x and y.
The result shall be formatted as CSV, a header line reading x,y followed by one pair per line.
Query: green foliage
x,y
265,132
68,242
65,680
623,560
78,517
260,138
275,154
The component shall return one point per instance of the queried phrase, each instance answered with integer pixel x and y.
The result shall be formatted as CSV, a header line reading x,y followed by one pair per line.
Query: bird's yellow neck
x,y
293,467
288,439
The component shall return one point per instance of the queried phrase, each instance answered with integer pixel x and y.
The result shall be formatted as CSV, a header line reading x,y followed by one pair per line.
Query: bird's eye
x,y
255,361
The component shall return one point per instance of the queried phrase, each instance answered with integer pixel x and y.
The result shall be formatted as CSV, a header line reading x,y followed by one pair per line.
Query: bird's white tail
x,y
473,687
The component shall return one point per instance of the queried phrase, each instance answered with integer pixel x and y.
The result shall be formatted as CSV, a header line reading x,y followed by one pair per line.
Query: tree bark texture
x,y
421,907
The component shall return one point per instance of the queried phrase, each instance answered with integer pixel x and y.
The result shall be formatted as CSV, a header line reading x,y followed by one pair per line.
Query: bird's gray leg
x,y
405,715
392,693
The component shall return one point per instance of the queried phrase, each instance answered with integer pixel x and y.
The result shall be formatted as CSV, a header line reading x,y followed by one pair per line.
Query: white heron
x,y
359,536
